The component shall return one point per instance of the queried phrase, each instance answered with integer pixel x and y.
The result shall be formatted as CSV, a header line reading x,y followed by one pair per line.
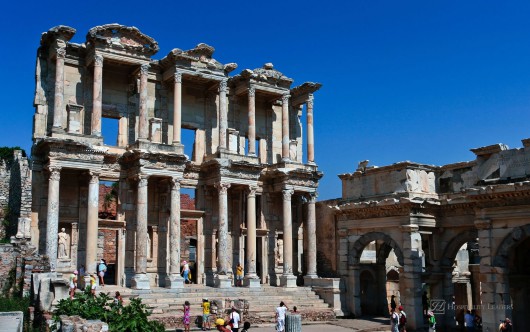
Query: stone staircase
x,y
166,304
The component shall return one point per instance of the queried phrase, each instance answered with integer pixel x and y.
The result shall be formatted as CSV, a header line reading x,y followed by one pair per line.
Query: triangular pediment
x,y
122,39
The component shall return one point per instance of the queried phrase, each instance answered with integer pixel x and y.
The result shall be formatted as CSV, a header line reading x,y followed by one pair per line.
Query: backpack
x,y
402,319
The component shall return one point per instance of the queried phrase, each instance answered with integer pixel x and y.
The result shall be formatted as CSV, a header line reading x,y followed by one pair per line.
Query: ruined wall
x,y
326,239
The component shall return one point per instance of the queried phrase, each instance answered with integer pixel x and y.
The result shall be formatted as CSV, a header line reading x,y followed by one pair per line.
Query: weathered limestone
x,y
224,266
58,106
311,243
174,279
252,121
92,223
97,95
285,127
143,121
287,279
52,225
251,279
310,131
140,279
177,108
223,111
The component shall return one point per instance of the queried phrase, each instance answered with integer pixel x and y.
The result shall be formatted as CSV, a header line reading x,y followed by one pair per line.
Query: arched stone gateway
x,y
359,245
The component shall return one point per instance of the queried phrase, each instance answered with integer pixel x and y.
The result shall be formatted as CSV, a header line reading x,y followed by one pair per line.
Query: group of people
x,y
101,269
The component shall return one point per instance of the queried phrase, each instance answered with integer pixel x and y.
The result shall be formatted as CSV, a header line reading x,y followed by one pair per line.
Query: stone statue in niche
x,y
279,252
63,249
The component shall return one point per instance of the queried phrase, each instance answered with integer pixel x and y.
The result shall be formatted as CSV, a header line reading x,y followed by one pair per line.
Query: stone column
x,y
311,240
224,267
251,278
310,132
97,95
287,279
140,279
223,113
91,258
177,108
143,124
252,121
448,321
52,224
58,111
174,279
285,127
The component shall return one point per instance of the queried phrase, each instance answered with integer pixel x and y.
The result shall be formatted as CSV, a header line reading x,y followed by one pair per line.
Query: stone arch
x,y
455,244
514,238
359,245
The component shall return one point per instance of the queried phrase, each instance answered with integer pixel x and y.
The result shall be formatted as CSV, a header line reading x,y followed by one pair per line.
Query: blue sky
x,y
402,80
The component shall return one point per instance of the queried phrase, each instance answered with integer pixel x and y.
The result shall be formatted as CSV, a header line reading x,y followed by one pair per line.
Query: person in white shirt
x,y
280,317
234,320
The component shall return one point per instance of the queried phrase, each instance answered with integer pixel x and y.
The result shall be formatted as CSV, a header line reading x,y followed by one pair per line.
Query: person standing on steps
x,y
239,275
280,317
186,318
102,268
205,314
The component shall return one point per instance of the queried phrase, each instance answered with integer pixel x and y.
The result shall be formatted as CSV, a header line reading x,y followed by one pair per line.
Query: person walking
x,y
186,318
205,314
102,268
431,321
469,321
402,320
280,316
506,326
185,271
239,275
234,320
394,320
393,303
73,284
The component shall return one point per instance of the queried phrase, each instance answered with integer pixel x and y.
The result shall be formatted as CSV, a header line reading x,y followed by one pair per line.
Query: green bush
x,y
14,304
129,318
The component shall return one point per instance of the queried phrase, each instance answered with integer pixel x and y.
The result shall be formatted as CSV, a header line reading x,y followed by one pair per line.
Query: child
x,y
73,284
118,300
246,326
93,284
186,319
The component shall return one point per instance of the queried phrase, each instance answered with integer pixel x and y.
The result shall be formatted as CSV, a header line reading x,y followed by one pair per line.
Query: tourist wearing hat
x,y
73,284
220,325
205,314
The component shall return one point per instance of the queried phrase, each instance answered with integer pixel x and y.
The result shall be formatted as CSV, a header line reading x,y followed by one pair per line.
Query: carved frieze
x,y
122,37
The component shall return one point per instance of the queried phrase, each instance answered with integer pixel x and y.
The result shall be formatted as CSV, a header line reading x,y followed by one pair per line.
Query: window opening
x,y
110,130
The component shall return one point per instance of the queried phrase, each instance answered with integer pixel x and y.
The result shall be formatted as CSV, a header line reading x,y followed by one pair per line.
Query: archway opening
x,y
519,279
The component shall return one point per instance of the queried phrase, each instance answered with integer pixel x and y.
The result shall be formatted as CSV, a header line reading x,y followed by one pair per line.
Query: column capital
x,y
285,98
175,183
144,69
55,172
178,77
98,60
223,85
142,179
61,52
310,100
410,228
251,191
251,91
222,187
287,193
94,177
312,197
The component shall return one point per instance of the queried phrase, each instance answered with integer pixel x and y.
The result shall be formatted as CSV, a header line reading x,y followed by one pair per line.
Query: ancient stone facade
x,y
434,219
254,189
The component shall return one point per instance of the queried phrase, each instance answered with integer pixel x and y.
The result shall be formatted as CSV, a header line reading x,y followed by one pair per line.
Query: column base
x,y
222,281
174,281
308,280
252,282
140,281
288,281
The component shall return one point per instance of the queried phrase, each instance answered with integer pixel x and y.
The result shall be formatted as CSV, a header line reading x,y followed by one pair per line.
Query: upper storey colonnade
x,y
112,75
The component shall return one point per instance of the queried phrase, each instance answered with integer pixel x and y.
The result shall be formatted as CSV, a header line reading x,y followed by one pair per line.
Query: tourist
x,y
220,325
186,318
102,268
239,275
394,320
234,320
393,303
73,284
478,320
205,314
432,321
506,326
425,303
402,320
469,321
118,300
185,271
295,310
93,284
280,316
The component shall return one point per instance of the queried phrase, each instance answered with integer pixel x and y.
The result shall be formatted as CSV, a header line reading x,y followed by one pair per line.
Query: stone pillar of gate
x,y
311,240
174,279
223,278
140,279
354,292
495,294
288,279
52,222
251,278
410,280
447,302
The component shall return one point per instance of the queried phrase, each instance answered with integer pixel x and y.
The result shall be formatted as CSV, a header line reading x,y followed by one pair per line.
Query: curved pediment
x,y
122,38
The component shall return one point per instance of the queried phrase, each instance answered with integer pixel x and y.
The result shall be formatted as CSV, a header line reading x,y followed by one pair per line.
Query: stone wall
x,y
8,257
